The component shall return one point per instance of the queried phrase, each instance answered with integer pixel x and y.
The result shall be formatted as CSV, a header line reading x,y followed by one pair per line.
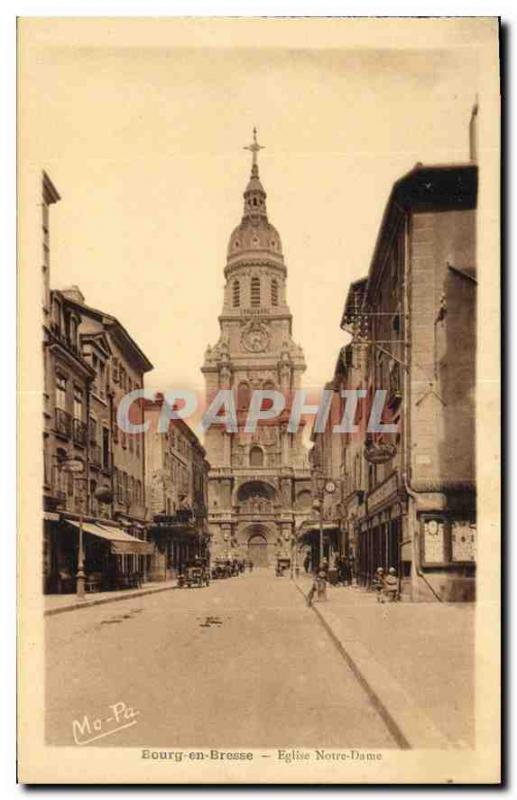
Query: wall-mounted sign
x,y
463,540
383,492
434,541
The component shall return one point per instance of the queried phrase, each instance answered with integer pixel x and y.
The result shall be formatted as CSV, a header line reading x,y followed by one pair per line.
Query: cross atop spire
x,y
254,148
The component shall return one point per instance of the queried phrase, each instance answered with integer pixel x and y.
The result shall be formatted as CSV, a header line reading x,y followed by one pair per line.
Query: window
x,y
105,447
102,379
93,430
57,317
256,457
274,292
236,294
114,424
78,403
243,396
60,392
73,340
255,292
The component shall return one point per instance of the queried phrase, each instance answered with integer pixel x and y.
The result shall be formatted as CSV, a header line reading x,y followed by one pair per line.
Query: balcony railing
x,y
63,423
79,430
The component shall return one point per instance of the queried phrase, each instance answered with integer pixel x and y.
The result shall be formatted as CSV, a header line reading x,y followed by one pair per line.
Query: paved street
x,y
243,663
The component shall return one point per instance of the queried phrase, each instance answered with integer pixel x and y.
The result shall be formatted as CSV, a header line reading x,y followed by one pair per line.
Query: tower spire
x,y
254,148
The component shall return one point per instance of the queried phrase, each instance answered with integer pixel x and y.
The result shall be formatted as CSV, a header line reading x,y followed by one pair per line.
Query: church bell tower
x,y
258,481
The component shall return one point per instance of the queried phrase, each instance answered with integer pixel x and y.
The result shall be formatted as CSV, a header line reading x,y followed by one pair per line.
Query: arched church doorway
x,y
257,550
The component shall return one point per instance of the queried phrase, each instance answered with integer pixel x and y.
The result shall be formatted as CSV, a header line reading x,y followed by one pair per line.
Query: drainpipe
x,y
87,454
406,404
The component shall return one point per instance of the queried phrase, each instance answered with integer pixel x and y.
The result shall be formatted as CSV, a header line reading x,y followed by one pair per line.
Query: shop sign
x,y
380,453
463,540
383,492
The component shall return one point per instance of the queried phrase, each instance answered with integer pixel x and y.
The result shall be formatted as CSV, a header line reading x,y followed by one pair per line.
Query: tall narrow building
x,y
259,484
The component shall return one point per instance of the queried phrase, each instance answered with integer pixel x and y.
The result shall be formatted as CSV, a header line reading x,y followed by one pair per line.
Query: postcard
x,y
259,400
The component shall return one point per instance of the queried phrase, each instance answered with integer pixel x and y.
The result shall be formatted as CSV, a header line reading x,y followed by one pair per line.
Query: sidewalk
x,y
58,603
415,660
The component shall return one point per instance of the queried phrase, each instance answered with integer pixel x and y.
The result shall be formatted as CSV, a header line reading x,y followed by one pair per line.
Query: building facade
x,y
258,482
409,496
177,492
84,353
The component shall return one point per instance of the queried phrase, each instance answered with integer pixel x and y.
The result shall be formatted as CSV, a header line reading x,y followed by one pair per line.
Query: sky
x,y
141,126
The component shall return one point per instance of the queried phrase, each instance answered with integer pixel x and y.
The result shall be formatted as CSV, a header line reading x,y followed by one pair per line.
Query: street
x,y
242,663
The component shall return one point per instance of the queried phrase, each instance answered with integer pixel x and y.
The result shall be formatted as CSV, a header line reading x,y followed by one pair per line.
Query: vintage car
x,y
283,565
196,574
221,568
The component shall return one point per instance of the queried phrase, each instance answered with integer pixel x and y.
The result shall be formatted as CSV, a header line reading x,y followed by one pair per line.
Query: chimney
x,y
473,133
74,294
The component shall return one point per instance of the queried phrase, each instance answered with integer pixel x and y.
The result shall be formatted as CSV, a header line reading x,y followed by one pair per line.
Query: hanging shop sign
x,y
379,453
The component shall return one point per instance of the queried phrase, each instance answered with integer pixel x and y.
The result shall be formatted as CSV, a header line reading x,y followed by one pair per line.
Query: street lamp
x,y
76,467
103,493
323,486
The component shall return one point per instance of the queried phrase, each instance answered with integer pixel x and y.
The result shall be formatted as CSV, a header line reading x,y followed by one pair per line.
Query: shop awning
x,y
121,543
312,529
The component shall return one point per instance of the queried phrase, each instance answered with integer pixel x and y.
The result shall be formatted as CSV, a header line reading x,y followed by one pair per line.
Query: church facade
x,y
259,488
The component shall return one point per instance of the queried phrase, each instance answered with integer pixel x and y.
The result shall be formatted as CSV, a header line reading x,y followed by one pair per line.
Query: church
x,y
259,488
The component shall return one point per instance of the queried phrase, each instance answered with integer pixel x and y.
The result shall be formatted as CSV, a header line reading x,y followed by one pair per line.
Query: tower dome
x,y
255,238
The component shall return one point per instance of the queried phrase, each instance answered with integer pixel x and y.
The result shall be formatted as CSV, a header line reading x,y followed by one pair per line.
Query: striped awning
x,y
121,543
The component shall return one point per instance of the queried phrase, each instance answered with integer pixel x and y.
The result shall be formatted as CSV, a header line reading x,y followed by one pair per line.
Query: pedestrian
x,y
250,565
391,586
324,567
336,565
351,565
378,584
307,562
318,588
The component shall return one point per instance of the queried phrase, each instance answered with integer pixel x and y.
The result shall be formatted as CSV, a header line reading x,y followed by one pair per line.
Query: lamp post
x,y
323,486
76,467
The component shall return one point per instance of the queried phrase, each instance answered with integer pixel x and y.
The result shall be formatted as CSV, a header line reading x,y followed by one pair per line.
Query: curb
x,y
374,698
49,612
410,726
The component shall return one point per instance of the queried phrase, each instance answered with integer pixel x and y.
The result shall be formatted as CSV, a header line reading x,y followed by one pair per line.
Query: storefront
x,y
112,557
177,543
310,537
380,536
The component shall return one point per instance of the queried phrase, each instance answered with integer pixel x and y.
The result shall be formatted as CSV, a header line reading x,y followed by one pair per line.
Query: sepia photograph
x,y
259,397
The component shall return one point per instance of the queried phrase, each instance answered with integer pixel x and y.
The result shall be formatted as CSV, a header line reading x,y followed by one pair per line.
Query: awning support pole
x,y
80,577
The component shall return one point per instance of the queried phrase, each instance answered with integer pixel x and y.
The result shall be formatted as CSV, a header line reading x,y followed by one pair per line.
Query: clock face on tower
x,y
255,337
